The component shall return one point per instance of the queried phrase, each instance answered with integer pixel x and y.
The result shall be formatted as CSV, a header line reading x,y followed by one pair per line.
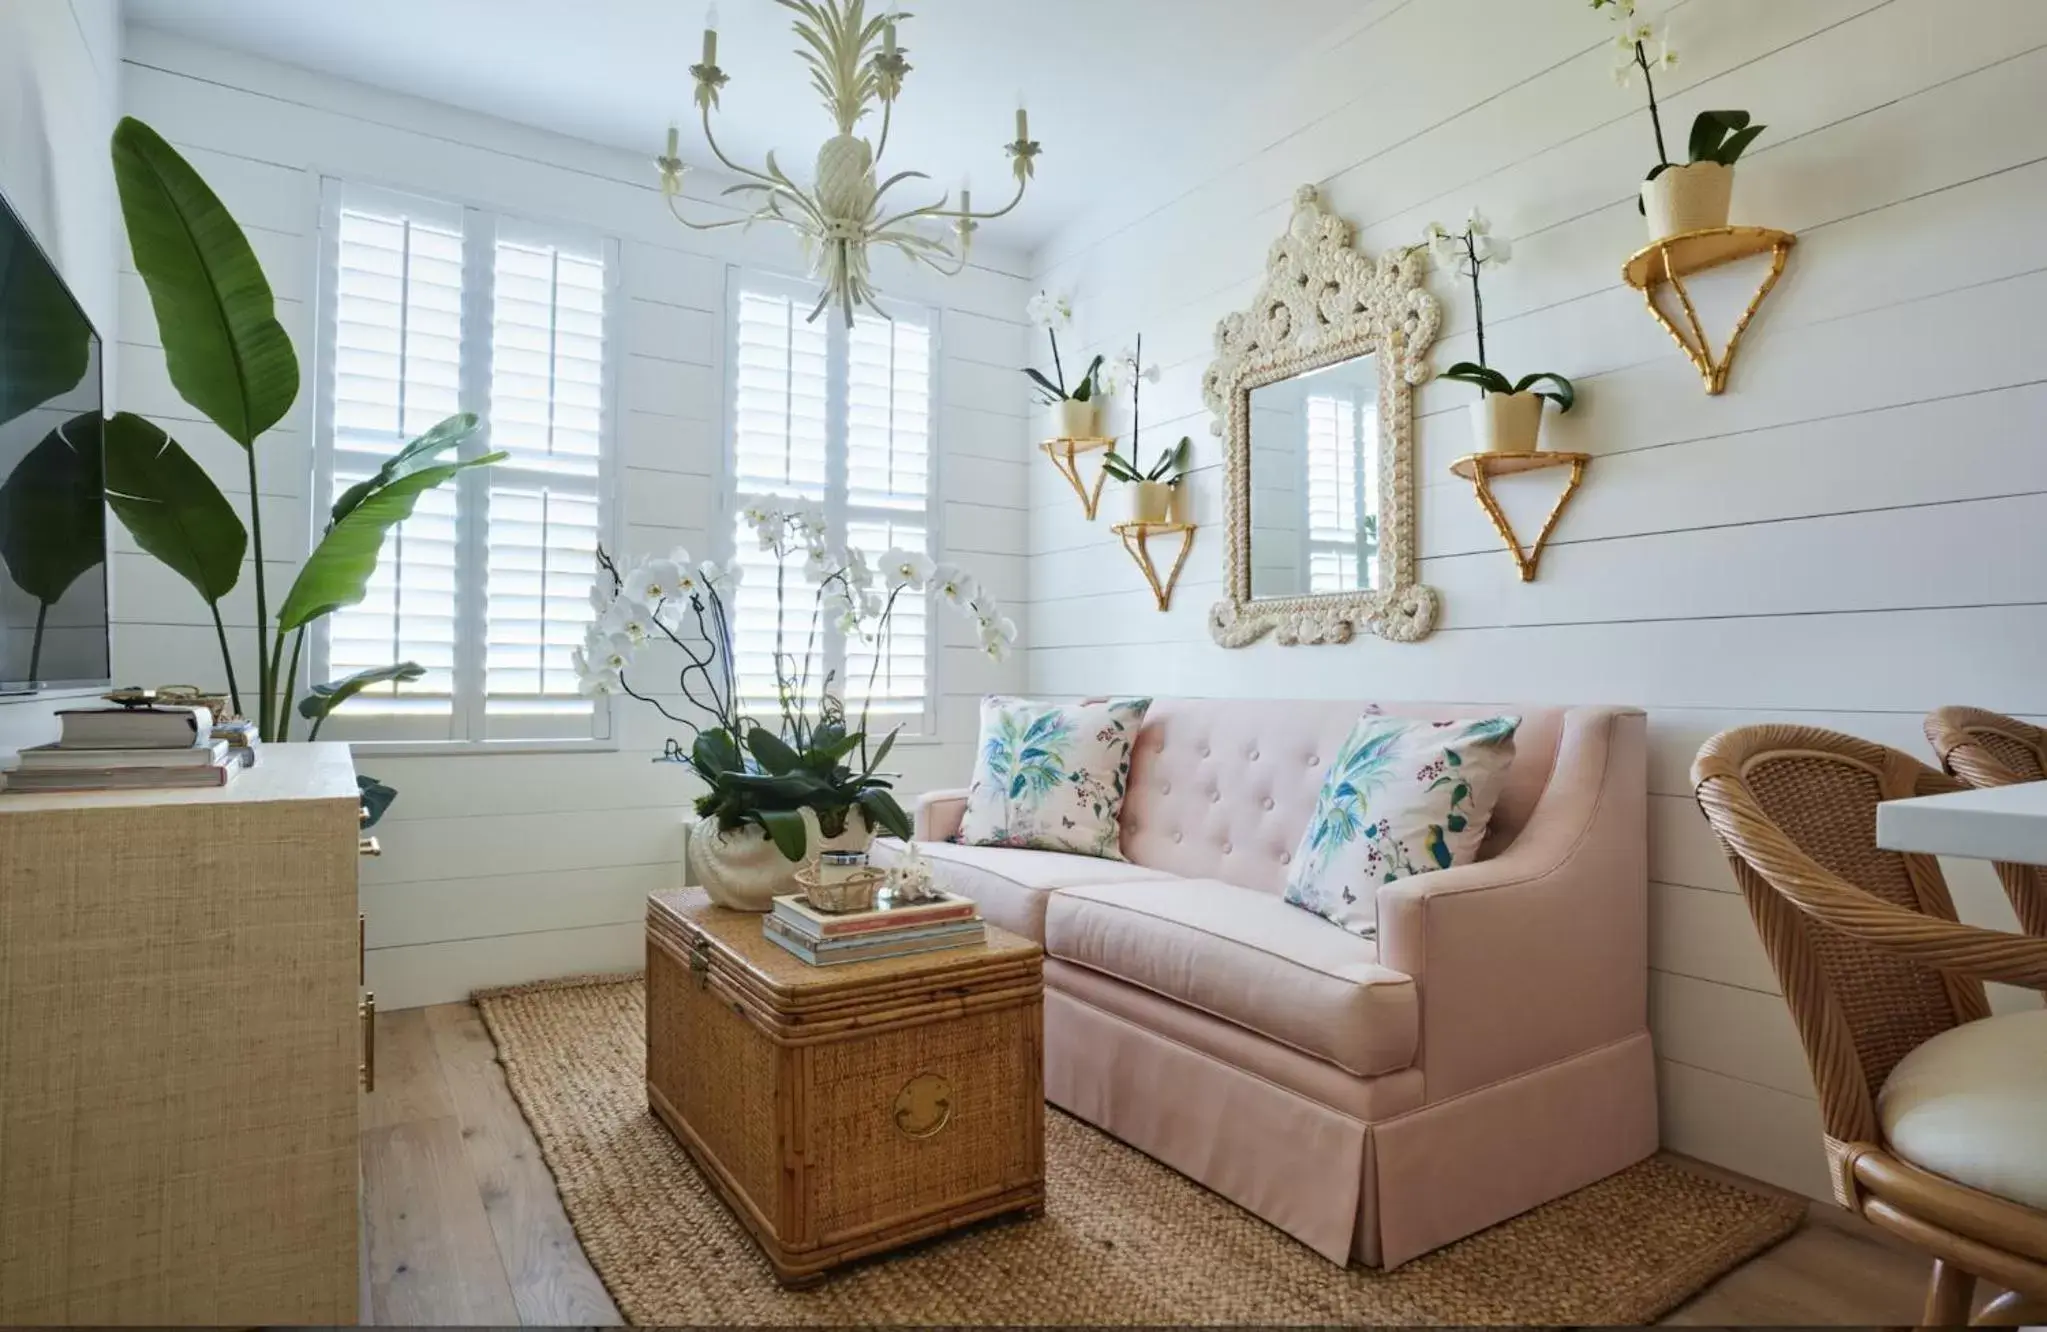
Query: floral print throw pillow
x,y
1051,776
1403,797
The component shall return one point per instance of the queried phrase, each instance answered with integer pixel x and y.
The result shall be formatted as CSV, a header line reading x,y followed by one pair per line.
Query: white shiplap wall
x,y
60,92
504,867
1856,532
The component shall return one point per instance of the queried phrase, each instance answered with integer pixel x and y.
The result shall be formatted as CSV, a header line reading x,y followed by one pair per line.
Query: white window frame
x,y
481,226
1364,480
924,728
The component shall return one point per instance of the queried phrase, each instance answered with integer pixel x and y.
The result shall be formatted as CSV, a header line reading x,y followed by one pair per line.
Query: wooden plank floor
x,y
462,1223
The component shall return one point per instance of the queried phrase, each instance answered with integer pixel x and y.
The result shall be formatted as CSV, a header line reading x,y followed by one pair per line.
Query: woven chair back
x,y
1988,749
1796,806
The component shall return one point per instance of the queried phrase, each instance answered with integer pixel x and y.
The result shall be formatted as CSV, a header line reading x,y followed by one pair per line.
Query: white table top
x,y
2001,823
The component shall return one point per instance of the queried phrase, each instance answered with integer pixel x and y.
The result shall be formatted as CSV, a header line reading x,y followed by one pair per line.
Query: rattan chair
x,y
1886,988
1990,749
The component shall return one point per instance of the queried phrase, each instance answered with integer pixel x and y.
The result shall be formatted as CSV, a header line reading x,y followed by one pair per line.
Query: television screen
x,y
53,527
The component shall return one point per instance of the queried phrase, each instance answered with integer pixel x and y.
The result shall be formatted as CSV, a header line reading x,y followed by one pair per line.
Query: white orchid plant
x,y
1717,136
811,756
1464,254
1054,314
1127,369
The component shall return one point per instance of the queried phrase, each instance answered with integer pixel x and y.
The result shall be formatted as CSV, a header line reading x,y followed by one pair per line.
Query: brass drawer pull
x,y
368,846
368,1009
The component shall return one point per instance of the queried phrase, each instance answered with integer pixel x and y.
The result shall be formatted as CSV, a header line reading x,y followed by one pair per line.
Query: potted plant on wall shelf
x,y
1155,495
1696,195
1076,413
1507,418
783,788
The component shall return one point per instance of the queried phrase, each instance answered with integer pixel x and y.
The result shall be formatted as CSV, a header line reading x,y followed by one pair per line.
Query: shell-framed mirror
x,y
1312,391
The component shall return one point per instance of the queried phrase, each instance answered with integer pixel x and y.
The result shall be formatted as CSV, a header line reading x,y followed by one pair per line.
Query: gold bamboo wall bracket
x,y
1065,456
1675,258
1481,468
1137,538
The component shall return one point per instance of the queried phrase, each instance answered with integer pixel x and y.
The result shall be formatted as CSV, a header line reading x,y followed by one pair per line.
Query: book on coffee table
x,y
808,922
869,948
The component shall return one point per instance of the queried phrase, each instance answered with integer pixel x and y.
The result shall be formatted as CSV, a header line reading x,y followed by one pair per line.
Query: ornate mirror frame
x,y
1323,302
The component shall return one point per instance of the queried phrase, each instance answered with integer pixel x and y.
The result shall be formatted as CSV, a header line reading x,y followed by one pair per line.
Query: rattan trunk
x,y
842,1111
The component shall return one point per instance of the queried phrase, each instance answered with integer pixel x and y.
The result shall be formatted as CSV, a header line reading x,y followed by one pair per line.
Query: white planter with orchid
x,y
1074,413
809,777
1507,418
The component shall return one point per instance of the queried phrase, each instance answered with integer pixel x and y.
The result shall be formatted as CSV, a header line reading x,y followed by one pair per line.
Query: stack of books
x,y
116,749
824,938
241,740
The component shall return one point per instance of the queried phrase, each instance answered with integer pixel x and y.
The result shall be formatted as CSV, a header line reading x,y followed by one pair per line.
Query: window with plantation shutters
x,y
1342,530
840,417
429,309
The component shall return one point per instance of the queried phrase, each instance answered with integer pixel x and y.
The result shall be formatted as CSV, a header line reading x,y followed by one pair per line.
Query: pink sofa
x,y
1489,1052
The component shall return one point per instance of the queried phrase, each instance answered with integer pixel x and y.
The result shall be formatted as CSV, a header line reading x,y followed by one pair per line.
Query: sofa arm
x,y
1543,951
938,815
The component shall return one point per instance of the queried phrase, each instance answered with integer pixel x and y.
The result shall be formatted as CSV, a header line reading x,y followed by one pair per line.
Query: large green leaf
x,y
771,751
338,572
785,828
171,506
226,353
883,812
52,520
45,346
376,798
413,457
321,700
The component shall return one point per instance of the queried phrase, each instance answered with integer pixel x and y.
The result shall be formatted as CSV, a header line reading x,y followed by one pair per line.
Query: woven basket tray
x,y
856,892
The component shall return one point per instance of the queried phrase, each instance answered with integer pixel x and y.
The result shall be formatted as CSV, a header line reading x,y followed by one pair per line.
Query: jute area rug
x,y
1123,1238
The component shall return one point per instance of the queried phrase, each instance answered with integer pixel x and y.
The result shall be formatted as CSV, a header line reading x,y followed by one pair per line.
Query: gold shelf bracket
x,y
1675,258
1481,468
1136,540
1065,456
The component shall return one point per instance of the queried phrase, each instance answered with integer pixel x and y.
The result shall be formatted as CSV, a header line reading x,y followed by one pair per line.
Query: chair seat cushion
x,y
1248,958
1971,1105
1010,885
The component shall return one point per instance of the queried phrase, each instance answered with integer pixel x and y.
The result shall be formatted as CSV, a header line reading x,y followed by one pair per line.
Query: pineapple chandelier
x,y
854,62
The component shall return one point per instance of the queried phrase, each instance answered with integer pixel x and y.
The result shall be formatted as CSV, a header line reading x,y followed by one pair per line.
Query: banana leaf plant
x,y
52,524
229,358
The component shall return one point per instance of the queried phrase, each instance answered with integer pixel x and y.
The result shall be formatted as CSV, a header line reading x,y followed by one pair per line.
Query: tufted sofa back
x,y
1223,788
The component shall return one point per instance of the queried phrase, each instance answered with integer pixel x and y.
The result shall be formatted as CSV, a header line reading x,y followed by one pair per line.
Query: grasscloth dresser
x,y
180,1040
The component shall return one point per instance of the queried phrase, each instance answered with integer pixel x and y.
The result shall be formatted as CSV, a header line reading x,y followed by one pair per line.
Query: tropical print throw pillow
x,y
1051,776
1403,797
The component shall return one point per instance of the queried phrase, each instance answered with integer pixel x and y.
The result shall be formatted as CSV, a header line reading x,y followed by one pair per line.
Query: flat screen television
x,y
53,524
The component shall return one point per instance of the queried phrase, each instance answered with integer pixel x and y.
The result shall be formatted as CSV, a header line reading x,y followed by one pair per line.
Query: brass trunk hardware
x,y
924,1106
1064,454
1135,538
700,961
1481,468
368,846
368,1009
1674,258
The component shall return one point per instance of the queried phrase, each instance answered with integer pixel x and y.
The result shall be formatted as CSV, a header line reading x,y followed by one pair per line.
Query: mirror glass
x,y
1315,482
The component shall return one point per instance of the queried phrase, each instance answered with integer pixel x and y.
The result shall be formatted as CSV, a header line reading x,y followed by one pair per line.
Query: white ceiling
x,y
1105,79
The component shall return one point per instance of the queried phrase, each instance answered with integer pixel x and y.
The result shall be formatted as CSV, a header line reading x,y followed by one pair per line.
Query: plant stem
x,y
1655,118
1058,370
1136,392
227,658
265,668
35,651
289,685
271,663
1477,302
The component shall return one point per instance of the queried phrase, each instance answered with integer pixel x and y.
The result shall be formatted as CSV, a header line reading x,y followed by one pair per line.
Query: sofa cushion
x,y
1222,788
1402,797
1051,776
1247,957
1011,885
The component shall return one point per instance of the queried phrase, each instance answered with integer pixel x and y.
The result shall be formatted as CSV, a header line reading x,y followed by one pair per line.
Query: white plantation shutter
x,y
1342,452
396,368
545,500
840,418
430,309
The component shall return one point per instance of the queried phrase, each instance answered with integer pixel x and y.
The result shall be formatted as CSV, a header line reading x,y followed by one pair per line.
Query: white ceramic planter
x,y
741,869
1076,420
1693,197
1181,509
1506,422
1150,502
